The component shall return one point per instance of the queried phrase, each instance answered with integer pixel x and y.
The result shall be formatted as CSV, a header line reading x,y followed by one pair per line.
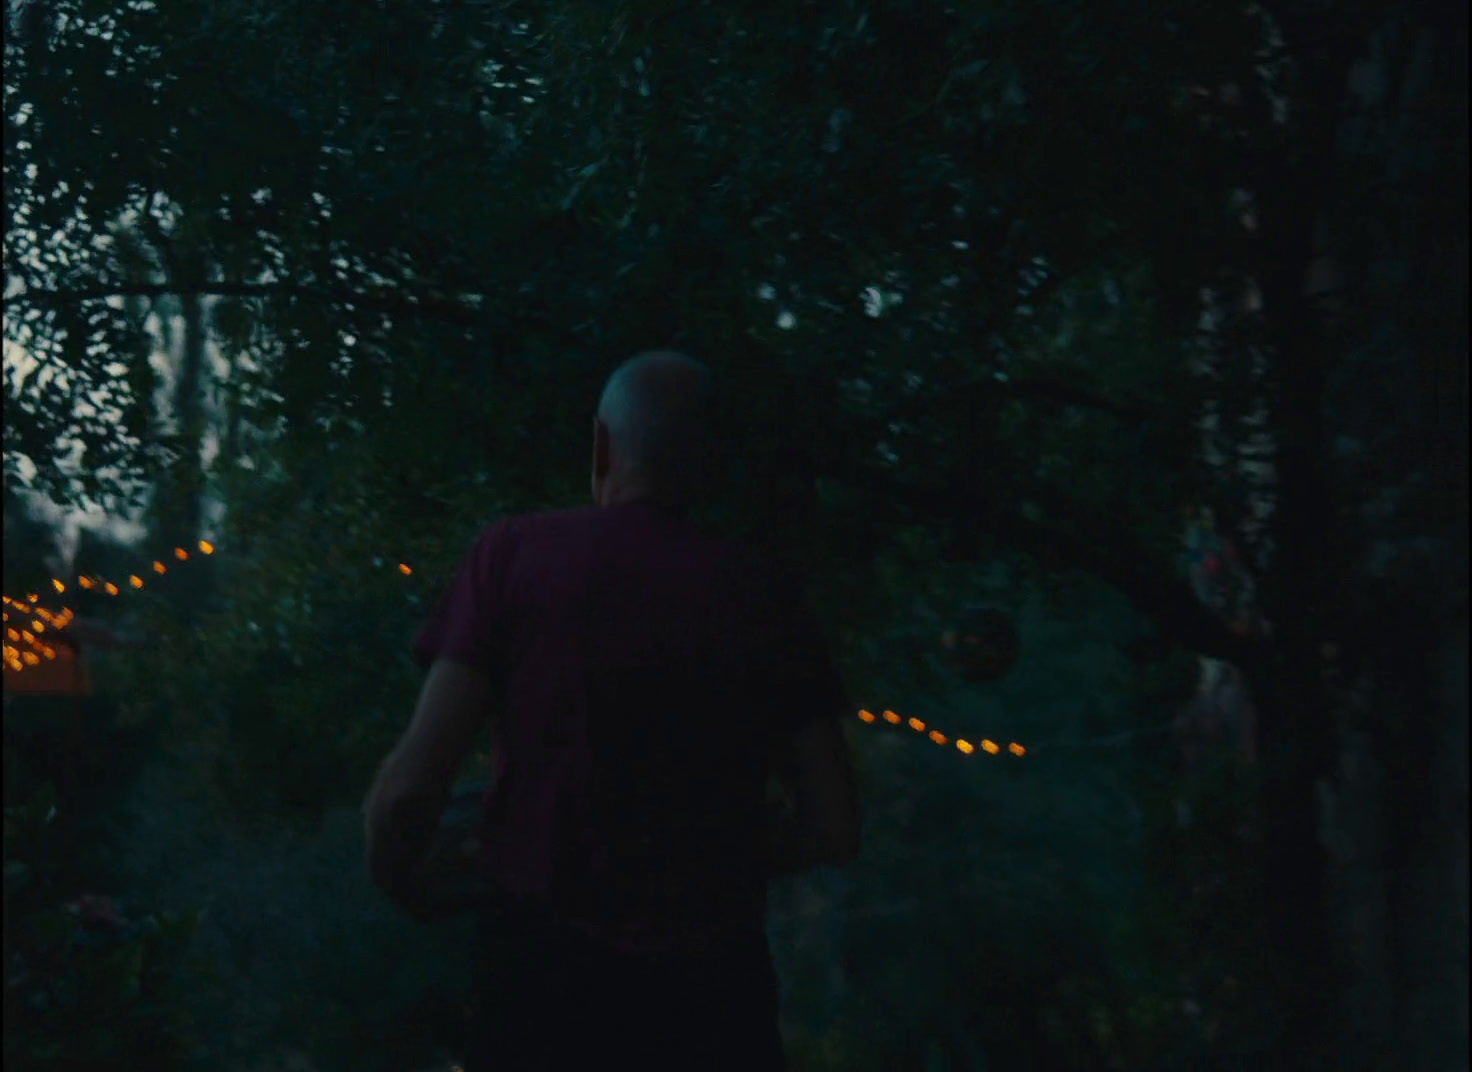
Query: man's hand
x,y
404,807
446,883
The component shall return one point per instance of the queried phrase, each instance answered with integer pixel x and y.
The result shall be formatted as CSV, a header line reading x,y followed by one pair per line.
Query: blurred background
x,y
1103,368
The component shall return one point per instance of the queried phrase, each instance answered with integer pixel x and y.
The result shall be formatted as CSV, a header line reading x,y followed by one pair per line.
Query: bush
x,y
90,983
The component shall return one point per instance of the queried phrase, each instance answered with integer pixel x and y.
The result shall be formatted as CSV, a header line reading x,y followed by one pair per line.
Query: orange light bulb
x,y
135,580
991,747
916,724
1016,749
966,746
159,567
207,547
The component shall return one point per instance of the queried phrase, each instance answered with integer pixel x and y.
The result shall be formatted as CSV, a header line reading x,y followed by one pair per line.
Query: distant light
x,y
159,567
85,582
59,586
112,589
890,716
916,724
39,627
135,580
12,634
966,746
31,658
181,554
868,716
1016,749
207,547
405,570
991,746
937,737
34,598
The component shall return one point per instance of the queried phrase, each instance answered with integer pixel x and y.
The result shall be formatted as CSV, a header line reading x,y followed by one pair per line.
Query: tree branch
x,y
386,301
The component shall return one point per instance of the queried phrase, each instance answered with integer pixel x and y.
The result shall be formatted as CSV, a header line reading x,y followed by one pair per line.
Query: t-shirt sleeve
x,y
469,622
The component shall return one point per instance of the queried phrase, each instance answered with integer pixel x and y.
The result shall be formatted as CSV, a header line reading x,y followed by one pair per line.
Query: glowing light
x,y
207,547
937,737
890,716
868,716
405,570
59,586
34,598
966,746
135,580
916,724
991,746
12,634
28,635
181,554
50,653
112,589
31,658
85,582
159,567
39,627
1016,749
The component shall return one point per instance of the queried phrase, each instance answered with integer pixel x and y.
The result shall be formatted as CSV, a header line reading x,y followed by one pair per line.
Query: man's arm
x,y
822,824
404,805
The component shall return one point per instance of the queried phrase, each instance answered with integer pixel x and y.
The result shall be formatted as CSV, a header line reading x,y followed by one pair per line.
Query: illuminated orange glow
x,y
31,658
207,547
181,554
916,724
991,746
135,580
966,746
405,570
59,586
39,627
28,635
938,737
34,598
868,716
1016,749
50,653
15,664
112,589
890,716
159,567
85,582
12,634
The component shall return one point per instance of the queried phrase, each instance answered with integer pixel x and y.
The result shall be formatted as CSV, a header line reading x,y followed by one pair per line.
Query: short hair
x,y
660,410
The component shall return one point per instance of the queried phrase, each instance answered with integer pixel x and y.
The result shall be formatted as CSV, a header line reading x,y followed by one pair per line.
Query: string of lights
x,y
962,745
33,619
36,619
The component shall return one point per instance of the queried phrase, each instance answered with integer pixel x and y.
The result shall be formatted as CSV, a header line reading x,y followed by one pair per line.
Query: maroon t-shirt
x,y
647,668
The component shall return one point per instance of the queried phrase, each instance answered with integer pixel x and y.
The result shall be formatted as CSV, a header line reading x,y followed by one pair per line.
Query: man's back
x,y
648,671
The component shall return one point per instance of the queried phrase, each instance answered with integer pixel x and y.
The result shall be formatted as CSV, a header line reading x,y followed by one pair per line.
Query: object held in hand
x,y
449,876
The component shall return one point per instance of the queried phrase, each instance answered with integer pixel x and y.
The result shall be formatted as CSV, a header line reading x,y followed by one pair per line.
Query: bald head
x,y
653,434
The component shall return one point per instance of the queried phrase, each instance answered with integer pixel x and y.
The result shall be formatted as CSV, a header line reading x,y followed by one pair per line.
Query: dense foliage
x,y
1001,297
